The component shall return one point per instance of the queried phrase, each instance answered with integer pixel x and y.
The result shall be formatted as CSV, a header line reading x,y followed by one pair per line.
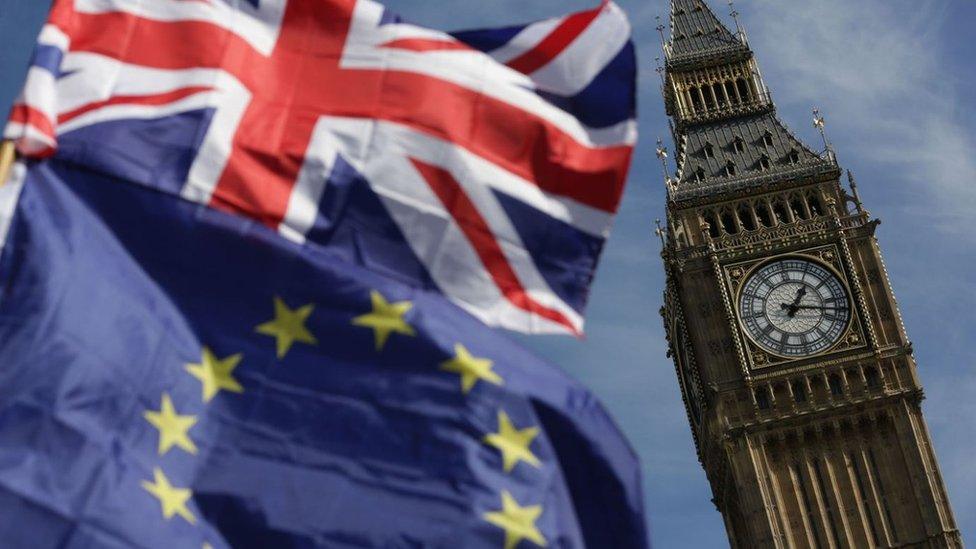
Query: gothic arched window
x,y
796,206
768,138
728,223
762,398
762,214
799,392
836,388
764,163
713,224
743,90
738,145
730,168
730,92
745,218
709,96
779,210
709,150
696,98
871,377
815,207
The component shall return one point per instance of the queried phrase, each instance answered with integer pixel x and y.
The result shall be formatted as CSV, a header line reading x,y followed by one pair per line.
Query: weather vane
x,y
735,16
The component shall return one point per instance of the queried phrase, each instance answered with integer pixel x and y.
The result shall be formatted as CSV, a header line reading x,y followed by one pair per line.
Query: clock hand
x,y
799,295
820,307
792,308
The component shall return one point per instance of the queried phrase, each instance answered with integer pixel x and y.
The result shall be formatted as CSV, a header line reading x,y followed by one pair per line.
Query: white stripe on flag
x,y
259,26
53,36
40,93
525,40
576,66
303,204
9,195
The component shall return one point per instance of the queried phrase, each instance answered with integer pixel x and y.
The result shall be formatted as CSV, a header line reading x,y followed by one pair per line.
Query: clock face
x,y
794,307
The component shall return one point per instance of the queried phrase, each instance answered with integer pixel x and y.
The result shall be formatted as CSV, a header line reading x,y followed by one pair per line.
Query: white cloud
x,y
878,69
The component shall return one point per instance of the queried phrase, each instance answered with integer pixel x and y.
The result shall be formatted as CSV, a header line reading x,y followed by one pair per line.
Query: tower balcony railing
x,y
779,232
786,230
677,59
818,391
703,114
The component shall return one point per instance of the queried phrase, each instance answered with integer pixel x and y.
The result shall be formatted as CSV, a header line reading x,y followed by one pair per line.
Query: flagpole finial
x,y
660,29
820,123
660,232
854,194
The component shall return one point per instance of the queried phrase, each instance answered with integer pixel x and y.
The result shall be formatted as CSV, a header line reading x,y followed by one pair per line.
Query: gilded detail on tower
x,y
796,371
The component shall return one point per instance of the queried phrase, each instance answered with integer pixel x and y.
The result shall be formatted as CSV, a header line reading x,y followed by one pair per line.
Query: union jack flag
x,y
486,165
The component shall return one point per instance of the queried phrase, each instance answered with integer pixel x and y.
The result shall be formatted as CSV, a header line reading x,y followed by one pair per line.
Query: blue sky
x,y
894,79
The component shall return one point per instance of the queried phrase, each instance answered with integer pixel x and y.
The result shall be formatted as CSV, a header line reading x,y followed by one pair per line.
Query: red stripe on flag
x,y
157,44
426,44
29,116
148,100
554,44
479,234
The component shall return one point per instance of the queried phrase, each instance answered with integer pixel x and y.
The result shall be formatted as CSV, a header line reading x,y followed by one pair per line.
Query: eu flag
x,y
175,376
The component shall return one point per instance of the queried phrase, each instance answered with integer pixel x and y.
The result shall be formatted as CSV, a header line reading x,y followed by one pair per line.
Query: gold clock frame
x,y
829,257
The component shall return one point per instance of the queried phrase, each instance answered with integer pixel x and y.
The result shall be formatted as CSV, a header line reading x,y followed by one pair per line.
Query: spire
x,y
697,32
727,135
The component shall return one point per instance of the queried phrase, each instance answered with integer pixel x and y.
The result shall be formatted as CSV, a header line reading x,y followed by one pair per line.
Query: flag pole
x,y
7,156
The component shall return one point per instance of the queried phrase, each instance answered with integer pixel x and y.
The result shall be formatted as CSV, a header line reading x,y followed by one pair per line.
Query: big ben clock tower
x,y
795,368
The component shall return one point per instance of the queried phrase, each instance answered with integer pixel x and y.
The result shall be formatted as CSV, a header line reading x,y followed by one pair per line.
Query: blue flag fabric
x,y
174,376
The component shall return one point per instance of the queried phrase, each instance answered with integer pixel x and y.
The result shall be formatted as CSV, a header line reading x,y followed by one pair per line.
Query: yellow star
x,y
517,522
288,326
173,428
471,369
172,500
216,374
386,318
513,443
